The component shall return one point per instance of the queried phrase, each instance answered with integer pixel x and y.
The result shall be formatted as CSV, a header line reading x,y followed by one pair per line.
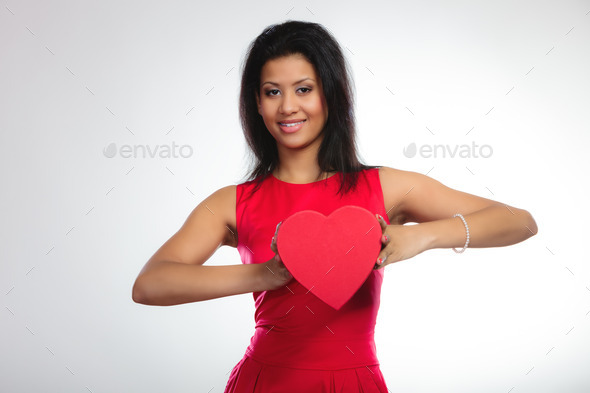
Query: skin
x,y
290,89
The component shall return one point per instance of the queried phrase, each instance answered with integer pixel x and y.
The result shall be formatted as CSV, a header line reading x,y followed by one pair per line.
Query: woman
x,y
297,115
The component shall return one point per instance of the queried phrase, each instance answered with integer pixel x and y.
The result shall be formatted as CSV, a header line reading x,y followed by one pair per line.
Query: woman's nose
x,y
289,103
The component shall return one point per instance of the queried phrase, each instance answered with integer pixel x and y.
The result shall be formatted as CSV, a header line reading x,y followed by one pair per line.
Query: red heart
x,y
331,256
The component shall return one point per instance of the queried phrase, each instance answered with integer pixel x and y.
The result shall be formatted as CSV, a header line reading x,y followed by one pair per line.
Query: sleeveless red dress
x,y
301,344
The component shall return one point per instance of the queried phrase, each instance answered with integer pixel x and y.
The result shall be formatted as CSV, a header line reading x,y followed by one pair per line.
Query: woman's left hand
x,y
399,242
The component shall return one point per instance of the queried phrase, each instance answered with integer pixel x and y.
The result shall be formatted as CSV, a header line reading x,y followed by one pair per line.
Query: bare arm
x,y
412,197
175,273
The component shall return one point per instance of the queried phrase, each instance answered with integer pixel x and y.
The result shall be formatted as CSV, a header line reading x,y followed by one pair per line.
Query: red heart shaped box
x,y
330,256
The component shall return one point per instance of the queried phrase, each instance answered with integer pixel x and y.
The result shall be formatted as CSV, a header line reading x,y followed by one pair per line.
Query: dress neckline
x,y
303,184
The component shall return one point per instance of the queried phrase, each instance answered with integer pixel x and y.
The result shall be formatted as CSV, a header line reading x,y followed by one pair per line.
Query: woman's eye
x,y
274,92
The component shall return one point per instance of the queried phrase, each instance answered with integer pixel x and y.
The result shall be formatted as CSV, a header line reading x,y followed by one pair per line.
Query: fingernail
x,y
379,217
379,261
385,238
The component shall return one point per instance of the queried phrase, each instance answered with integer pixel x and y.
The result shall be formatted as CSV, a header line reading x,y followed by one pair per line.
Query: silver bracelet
x,y
467,230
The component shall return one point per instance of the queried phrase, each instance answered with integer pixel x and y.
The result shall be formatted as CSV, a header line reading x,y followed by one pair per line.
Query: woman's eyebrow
x,y
276,84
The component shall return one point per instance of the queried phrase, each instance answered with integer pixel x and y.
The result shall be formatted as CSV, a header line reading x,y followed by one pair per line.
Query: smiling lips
x,y
291,126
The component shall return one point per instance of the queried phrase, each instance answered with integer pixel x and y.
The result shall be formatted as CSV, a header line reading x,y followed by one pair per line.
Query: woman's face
x,y
291,102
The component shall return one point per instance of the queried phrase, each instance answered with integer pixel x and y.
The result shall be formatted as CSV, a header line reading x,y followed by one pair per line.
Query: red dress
x,y
301,344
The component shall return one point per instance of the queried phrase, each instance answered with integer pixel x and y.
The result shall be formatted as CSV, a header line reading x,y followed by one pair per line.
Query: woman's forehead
x,y
288,69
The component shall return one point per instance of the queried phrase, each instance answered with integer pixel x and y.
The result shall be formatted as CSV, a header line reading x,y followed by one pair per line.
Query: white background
x,y
77,226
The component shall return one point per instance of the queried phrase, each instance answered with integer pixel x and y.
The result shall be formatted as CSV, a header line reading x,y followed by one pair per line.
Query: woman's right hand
x,y
276,273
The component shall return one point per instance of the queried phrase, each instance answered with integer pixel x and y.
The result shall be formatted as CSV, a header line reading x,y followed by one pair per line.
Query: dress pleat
x,y
250,376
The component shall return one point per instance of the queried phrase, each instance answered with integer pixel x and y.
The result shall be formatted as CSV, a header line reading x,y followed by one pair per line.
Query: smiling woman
x,y
292,103
297,115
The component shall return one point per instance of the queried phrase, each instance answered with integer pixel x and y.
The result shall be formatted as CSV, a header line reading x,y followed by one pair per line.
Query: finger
x,y
273,244
382,222
381,260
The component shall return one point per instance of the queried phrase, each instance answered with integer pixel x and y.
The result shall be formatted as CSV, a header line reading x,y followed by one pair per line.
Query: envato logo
x,y
448,151
143,151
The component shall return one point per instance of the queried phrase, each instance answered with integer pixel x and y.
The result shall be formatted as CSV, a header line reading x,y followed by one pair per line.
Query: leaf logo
x,y
110,150
410,150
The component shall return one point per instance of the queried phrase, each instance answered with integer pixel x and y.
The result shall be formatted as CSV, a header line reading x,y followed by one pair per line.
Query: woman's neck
x,y
299,166
299,176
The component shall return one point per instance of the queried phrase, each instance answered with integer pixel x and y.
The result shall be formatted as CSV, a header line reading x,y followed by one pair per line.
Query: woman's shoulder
x,y
247,187
223,200
224,193
395,181
400,185
396,185
393,175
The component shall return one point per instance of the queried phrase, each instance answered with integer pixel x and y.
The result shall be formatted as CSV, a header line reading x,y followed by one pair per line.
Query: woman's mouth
x,y
290,127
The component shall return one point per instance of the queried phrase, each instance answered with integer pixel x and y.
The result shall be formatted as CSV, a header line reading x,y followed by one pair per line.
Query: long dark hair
x,y
338,149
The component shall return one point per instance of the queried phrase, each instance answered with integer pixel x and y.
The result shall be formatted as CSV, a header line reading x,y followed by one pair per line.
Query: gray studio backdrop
x,y
118,118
